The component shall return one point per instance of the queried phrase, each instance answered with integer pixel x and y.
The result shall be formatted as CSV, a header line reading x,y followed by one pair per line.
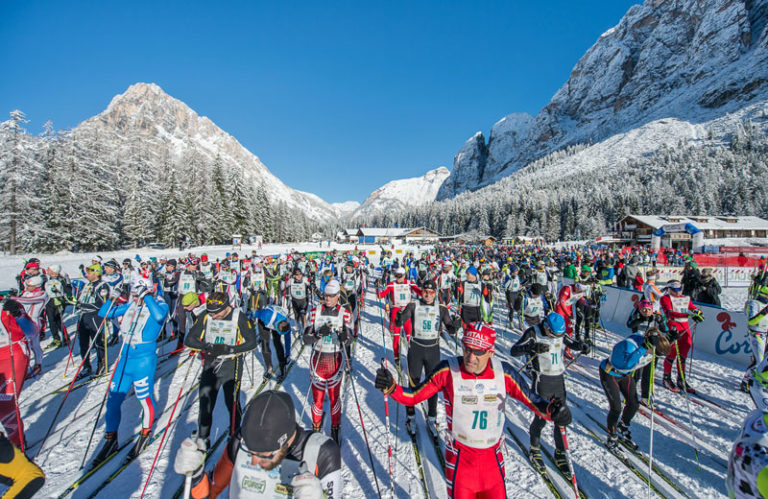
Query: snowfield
x,y
599,473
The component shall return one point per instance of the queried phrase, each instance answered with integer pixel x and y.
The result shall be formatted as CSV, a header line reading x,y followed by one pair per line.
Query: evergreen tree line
x,y
88,189
552,199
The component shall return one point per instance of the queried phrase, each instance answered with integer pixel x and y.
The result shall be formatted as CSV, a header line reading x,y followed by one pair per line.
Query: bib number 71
x,y
481,419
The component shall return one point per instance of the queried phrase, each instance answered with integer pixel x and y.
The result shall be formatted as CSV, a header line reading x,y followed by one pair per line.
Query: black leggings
x,y
423,359
53,312
547,387
299,310
87,327
614,387
226,377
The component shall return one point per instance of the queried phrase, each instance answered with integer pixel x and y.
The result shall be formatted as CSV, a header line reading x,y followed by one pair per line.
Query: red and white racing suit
x,y
400,295
676,310
474,409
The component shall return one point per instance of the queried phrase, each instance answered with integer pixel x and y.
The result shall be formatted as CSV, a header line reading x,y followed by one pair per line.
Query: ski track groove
x,y
600,477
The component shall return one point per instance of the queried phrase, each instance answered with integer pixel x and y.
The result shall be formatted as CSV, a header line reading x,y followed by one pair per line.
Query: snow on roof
x,y
705,222
383,232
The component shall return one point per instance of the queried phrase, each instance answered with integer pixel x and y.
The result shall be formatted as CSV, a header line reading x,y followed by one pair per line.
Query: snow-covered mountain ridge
x,y
687,60
169,125
403,193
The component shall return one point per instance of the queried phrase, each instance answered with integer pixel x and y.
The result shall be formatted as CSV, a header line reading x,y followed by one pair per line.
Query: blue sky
x,y
336,98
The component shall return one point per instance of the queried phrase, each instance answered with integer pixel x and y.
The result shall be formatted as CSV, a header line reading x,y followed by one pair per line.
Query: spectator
x,y
691,279
709,289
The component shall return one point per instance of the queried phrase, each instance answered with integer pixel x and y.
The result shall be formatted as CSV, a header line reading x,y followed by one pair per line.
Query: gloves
x,y
673,335
306,485
343,335
697,316
384,381
13,308
536,348
219,349
456,323
115,293
652,342
283,326
190,457
583,347
140,290
559,412
325,330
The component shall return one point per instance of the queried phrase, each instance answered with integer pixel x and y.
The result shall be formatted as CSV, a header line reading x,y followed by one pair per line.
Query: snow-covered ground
x,y
599,474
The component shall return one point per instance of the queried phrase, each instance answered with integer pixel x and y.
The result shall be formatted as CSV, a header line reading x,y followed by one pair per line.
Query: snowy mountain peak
x,y
693,60
402,193
167,126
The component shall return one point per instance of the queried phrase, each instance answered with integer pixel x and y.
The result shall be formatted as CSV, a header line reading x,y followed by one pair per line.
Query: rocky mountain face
x,y
168,126
403,193
689,60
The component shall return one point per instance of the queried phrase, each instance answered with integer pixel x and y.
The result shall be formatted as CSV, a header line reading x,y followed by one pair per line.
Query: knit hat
x,y
268,422
332,287
95,268
189,299
479,336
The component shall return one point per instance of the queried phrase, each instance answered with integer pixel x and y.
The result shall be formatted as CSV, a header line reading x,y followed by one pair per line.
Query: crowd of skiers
x,y
224,309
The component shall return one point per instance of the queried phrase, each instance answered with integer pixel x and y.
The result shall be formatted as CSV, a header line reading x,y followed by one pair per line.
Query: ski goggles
x,y
215,305
475,352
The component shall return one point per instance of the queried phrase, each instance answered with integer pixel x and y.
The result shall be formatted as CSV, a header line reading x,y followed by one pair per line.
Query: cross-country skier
x,y
143,317
89,301
328,331
34,300
399,292
272,321
270,455
642,319
223,334
616,376
676,308
545,343
474,462
58,287
428,318
512,289
445,283
13,368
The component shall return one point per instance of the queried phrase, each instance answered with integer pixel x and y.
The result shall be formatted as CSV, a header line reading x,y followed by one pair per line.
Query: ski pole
x,y
390,464
109,384
653,413
16,399
693,342
688,403
167,426
528,362
573,360
362,423
58,411
187,486
570,463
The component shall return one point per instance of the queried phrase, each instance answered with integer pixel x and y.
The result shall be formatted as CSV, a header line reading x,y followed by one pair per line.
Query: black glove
x,y
398,316
559,412
583,347
652,342
325,330
384,381
698,316
218,349
343,335
283,326
673,335
456,323
537,348
13,308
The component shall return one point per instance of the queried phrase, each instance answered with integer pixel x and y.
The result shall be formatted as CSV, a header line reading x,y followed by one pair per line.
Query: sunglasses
x,y
215,302
429,291
476,353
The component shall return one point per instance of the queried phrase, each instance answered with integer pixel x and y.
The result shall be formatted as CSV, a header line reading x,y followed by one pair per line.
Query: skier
x,y
424,348
58,287
588,304
328,331
399,292
642,319
533,305
17,470
677,307
616,371
350,283
757,328
446,279
470,297
91,298
268,456
34,300
544,343
190,280
114,280
14,361
299,290
170,285
143,317
257,285
567,297
223,334
512,290
272,321
476,424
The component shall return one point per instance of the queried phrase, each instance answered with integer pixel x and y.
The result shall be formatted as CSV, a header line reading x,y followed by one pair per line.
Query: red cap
x,y
32,265
204,258
479,336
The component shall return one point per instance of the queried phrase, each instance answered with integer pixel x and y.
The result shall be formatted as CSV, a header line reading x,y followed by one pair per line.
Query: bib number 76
x,y
481,419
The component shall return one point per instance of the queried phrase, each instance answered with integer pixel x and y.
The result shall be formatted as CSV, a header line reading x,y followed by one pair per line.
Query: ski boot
x,y
625,436
683,385
109,448
644,402
141,443
534,456
612,444
410,425
669,385
335,435
561,461
85,372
